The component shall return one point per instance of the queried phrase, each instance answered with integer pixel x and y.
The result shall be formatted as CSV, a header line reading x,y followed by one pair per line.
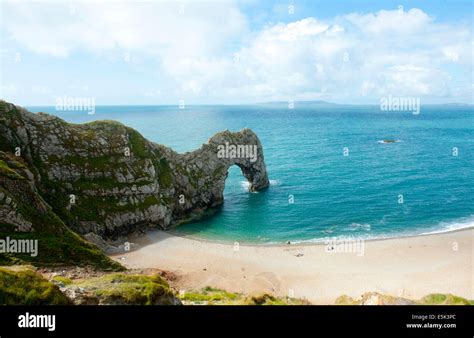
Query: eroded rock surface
x,y
105,178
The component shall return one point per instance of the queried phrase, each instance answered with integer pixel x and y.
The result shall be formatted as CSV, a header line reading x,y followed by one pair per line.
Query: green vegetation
x,y
267,299
431,299
105,123
345,300
137,143
165,173
444,299
105,183
91,208
4,112
9,172
98,183
213,296
57,245
194,176
149,201
23,286
62,280
218,172
166,200
98,163
129,289
58,249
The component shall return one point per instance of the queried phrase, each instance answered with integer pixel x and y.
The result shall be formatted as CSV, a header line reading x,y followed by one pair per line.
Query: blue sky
x,y
228,52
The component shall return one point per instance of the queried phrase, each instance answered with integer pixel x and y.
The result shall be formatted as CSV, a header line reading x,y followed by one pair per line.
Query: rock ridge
x,y
105,178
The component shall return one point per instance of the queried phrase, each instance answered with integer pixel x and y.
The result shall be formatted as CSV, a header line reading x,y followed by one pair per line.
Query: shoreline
x,y
309,242
410,267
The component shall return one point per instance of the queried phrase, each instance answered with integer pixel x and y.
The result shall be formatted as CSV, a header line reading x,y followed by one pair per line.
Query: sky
x,y
230,52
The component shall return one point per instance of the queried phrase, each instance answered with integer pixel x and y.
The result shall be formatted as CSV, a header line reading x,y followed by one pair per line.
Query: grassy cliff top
x,y
23,286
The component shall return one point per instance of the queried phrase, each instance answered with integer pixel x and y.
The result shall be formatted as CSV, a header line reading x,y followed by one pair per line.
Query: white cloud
x,y
155,27
295,31
390,52
396,22
355,55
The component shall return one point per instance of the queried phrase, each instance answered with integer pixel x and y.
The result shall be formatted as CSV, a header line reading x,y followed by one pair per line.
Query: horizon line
x,y
248,104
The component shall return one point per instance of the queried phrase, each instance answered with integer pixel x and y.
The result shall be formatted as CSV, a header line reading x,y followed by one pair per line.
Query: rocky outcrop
x,y
22,285
17,188
26,216
105,289
105,178
119,289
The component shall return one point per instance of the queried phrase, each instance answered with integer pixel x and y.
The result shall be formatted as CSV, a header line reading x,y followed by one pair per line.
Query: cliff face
x,y
105,178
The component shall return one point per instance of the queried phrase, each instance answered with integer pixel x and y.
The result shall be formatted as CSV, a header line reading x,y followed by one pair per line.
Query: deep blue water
x,y
333,195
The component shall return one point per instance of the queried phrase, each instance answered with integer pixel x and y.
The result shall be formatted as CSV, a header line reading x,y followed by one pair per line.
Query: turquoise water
x,y
333,195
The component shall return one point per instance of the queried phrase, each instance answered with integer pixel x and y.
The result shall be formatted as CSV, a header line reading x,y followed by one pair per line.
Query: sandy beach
x,y
409,267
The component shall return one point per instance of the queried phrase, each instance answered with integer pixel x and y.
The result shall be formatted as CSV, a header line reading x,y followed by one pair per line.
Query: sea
x,y
336,171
